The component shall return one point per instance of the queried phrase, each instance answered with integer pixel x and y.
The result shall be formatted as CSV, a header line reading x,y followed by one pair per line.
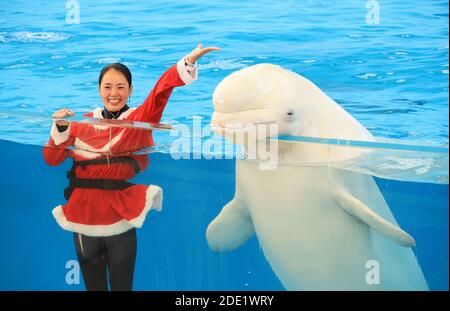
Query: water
x,y
392,77
172,249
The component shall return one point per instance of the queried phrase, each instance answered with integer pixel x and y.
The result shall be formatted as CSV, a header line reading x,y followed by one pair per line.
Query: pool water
x,y
391,76
172,250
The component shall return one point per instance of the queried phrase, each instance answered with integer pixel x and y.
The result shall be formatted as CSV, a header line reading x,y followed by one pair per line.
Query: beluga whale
x,y
320,227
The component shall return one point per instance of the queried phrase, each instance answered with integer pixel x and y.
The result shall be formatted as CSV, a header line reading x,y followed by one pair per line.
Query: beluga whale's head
x,y
266,100
251,97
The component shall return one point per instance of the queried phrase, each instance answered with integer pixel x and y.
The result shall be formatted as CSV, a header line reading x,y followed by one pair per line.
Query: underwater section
x,y
173,252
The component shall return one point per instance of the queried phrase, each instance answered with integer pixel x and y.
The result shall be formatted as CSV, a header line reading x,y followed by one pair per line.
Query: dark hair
x,y
119,67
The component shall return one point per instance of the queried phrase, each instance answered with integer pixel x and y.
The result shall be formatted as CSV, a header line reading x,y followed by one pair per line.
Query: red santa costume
x,y
100,212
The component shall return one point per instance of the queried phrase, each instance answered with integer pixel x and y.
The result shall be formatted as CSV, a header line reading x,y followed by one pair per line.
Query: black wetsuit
x,y
103,258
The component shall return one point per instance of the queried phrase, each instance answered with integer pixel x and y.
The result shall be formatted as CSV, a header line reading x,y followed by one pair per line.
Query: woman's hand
x,y
62,113
198,52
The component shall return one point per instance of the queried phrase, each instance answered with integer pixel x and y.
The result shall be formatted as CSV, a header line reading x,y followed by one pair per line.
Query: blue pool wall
x,y
172,249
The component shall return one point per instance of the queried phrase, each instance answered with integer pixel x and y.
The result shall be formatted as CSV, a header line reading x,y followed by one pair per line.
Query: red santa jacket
x,y
99,212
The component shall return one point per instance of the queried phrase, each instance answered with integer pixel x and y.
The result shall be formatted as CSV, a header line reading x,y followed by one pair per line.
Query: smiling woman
x,y
114,85
103,209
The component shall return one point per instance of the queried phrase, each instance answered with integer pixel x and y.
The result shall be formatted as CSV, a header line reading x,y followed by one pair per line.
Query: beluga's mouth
x,y
250,122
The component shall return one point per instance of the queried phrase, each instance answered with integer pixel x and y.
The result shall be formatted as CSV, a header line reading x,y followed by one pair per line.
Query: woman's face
x,y
114,90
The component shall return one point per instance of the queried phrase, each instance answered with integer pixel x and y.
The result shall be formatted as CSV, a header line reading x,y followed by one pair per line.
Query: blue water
x,y
172,249
393,77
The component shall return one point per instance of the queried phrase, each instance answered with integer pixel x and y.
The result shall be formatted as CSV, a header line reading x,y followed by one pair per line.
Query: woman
x,y
103,209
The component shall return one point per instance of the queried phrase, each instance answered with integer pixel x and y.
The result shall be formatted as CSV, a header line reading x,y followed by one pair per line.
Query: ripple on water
x,y
29,36
367,76
108,60
309,61
224,64
16,66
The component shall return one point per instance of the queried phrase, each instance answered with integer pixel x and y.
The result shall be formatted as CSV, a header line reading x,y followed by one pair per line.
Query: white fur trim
x,y
59,137
83,148
153,199
98,114
187,73
86,154
125,114
90,230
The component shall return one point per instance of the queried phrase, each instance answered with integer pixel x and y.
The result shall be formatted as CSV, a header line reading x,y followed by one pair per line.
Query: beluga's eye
x,y
289,115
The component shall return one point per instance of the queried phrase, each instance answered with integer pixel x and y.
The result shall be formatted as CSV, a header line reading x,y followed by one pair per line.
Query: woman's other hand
x,y
198,52
62,113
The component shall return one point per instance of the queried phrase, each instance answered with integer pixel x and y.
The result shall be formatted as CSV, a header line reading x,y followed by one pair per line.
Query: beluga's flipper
x,y
355,207
231,228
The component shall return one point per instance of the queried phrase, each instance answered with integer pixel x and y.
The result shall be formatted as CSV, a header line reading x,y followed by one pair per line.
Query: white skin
x,y
114,88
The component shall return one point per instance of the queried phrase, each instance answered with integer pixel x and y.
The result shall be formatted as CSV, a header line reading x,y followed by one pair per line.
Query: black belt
x,y
129,160
105,184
